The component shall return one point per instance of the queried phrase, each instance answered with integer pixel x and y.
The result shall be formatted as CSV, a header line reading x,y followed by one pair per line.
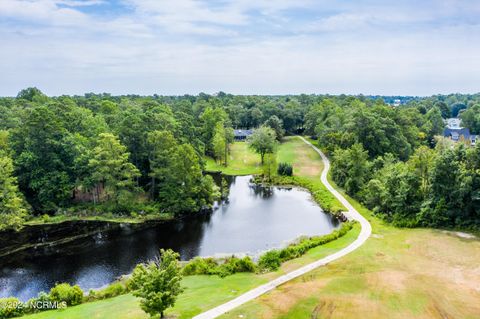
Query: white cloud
x,y
80,3
188,46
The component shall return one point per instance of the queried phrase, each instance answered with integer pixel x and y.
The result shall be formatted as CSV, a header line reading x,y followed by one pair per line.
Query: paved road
x,y
352,213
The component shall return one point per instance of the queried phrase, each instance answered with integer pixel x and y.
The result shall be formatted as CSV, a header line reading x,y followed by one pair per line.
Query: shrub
x,y
222,268
200,266
245,264
42,298
234,265
319,192
72,295
285,169
270,260
112,290
10,307
305,244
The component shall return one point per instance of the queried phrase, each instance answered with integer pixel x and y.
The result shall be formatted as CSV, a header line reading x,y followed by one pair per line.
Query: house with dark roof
x,y
457,133
241,135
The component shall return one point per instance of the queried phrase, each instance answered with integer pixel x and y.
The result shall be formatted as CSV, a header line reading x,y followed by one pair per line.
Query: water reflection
x,y
254,219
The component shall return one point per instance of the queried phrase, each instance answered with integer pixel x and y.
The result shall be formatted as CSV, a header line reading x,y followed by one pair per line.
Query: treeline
x,y
140,155
397,163
126,155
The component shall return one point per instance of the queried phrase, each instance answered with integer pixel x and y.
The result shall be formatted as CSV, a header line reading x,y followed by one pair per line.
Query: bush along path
x,y
351,213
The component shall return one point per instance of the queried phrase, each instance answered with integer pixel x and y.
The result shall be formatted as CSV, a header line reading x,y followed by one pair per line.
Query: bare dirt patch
x,y
304,163
350,307
461,234
281,300
388,280
450,260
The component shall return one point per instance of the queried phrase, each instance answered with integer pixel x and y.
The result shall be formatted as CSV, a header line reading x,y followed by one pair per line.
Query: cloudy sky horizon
x,y
242,47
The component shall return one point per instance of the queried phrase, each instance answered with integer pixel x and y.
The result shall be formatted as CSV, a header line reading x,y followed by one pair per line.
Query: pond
x,y
254,219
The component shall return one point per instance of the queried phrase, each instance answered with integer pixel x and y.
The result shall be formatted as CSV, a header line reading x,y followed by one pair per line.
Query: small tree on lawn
x,y
158,283
262,141
269,166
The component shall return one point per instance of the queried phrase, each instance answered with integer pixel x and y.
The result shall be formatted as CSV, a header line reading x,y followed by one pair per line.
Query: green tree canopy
x,y
12,206
44,159
262,141
110,166
158,283
277,125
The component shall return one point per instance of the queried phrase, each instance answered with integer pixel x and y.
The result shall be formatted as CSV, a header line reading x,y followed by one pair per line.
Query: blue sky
x,y
243,46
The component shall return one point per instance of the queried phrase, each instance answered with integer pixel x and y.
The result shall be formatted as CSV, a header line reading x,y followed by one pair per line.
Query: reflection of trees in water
x,y
334,220
262,191
224,182
185,235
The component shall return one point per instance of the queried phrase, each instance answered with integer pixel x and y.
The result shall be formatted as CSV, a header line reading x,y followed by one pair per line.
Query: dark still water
x,y
254,219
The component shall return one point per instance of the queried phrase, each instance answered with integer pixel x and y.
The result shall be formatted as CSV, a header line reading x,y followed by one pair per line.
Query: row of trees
x,y
437,187
397,163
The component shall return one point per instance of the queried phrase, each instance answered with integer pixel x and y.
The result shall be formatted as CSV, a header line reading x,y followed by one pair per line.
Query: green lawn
x,y
202,293
398,273
306,162
205,292
241,161
244,161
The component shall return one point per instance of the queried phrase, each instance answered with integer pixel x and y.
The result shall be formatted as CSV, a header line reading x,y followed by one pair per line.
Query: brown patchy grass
x,y
398,273
304,159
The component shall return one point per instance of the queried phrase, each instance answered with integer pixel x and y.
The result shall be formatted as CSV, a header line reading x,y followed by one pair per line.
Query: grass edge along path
x,y
351,213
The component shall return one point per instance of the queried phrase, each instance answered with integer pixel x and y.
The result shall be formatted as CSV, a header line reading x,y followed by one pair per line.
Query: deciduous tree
x,y
262,141
158,283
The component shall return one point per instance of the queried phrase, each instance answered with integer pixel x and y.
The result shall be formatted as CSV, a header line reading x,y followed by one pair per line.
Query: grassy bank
x,y
398,273
48,220
241,161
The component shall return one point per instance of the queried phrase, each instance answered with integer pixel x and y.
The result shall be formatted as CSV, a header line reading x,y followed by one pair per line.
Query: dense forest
x,y
131,155
396,161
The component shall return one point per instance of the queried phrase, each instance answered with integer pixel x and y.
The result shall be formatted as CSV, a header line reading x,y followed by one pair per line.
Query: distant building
x,y
456,132
241,135
397,102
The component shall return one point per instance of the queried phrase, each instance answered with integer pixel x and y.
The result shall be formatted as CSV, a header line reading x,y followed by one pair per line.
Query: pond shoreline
x,y
77,254
101,225
111,222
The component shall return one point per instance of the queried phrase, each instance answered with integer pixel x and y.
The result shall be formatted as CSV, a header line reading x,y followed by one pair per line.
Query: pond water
x,y
253,220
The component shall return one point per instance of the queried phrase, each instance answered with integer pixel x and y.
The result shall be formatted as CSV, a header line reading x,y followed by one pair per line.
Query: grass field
x,y
305,161
398,273
205,292
241,161
244,161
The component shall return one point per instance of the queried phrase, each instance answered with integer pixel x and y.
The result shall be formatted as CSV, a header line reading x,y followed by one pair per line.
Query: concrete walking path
x,y
351,213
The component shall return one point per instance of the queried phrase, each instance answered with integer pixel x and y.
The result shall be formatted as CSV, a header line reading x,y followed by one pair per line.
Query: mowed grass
x,y
397,273
201,293
307,168
241,161
244,161
305,161
205,292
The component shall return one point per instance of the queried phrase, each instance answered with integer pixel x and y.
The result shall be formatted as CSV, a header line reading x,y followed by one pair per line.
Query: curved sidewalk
x,y
351,213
